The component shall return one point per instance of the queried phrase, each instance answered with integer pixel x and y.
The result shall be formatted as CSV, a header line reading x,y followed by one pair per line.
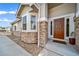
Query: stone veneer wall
x,y
16,33
77,32
43,33
29,37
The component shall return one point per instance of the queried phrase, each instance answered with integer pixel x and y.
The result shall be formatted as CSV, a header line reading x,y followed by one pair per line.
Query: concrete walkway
x,y
58,49
10,48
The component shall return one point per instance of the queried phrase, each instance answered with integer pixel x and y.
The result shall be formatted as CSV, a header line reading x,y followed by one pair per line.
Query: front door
x,y
59,28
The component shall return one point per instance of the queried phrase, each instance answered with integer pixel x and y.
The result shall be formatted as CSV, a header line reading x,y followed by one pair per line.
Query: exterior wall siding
x,y
18,29
18,26
62,9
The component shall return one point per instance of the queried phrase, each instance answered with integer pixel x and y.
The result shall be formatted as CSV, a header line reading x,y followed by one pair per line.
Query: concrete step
x,y
59,41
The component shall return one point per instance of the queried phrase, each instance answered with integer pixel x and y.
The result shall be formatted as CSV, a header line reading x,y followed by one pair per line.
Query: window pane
x,y
15,28
51,28
67,27
24,26
24,23
33,22
24,20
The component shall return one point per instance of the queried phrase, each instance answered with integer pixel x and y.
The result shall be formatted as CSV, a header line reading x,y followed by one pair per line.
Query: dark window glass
x,y
67,27
15,28
24,23
33,22
51,28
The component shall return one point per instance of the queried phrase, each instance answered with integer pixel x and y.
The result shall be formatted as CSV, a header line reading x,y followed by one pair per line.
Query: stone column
x,y
77,31
43,25
77,26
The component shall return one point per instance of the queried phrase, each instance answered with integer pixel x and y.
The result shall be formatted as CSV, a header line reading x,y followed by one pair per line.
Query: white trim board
x,y
67,15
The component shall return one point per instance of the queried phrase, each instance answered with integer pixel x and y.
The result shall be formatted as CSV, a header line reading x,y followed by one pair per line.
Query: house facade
x,y
40,22
16,27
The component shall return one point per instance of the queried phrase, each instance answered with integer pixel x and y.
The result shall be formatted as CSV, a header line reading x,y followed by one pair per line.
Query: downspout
x,y
38,24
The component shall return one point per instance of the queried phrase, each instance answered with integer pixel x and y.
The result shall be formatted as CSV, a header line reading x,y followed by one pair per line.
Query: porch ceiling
x,y
52,5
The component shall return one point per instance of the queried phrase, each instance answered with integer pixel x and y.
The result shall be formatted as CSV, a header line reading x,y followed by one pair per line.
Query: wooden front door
x,y
59,28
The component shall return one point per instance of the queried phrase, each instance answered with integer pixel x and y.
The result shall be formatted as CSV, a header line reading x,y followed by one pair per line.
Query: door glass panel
x,y
67,27
51,28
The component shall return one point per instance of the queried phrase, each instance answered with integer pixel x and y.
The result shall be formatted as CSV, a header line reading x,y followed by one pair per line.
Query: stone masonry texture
x,y
29,37
16,33
77,32
43,33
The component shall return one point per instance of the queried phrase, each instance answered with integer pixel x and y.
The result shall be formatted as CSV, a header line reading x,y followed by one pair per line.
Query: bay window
x,y
29,23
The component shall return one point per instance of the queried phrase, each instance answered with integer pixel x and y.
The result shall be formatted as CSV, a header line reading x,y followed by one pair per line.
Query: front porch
x,y
58,49
60,21
53,20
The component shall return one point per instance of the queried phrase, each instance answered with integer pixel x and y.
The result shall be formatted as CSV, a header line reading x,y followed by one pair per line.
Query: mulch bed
x,y
31,48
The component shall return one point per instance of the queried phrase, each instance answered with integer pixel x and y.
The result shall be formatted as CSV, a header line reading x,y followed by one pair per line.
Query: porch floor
x,y
58,49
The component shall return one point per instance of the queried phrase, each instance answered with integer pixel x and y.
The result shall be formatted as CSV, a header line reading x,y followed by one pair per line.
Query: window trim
x,y
67,28
26,22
